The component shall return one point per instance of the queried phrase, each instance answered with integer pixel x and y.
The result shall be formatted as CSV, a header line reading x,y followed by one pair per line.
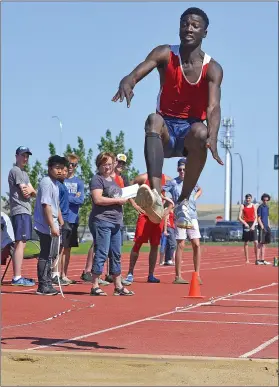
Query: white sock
x,y
17,277
55,274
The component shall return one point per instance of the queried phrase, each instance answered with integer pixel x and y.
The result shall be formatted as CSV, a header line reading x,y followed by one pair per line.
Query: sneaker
x,y
182,215
68,280
266,263
62,281
151,202
23,282
130,278
151,279
180,281
125,282
169,263
86,277
47,291
109,278
102,282
259,262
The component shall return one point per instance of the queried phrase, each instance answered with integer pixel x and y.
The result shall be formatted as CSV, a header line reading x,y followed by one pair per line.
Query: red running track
x,y
240,321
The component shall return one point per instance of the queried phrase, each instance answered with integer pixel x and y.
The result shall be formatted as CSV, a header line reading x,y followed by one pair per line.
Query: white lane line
x,y
261,294
238,299
229,313
260,347
214,322
142,320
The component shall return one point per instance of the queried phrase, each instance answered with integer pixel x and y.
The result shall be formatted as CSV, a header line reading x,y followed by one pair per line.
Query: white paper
x,y
130,191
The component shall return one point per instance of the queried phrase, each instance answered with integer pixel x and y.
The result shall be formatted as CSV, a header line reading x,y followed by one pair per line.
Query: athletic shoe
x,y
62,281
130,278
182,215
69,281
23,282
151,202
125,282
169,263
86,277
151,279
102,282
266,263
47,291
259,262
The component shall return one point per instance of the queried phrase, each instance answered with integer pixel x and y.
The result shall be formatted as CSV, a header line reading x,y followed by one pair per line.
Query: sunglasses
x,y
73,164
181,169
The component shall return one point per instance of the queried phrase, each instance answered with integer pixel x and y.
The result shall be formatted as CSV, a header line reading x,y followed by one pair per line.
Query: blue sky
x,y
67,59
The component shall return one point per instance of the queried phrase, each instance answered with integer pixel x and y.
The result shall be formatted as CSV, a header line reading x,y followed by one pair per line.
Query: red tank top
x,y
170,222
119,181
178,97
249,214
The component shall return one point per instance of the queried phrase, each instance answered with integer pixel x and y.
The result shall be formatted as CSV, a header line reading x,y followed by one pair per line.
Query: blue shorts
x,y
178,128
22,225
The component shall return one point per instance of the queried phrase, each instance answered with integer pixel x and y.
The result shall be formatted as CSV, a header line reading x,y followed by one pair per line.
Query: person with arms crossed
x,y
190,93
21,191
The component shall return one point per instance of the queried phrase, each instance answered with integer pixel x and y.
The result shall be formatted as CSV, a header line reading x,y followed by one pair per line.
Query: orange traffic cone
x,y
195,291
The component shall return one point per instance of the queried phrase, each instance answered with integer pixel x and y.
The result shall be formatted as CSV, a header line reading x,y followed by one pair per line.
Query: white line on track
x,y
213,321
146,319
229,313
240,300
260,347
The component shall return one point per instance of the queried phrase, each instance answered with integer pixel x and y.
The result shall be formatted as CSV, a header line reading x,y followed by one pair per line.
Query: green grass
x,y
126,248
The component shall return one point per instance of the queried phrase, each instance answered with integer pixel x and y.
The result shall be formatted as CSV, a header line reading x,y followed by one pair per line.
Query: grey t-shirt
x,y
113,213
48,193
18,203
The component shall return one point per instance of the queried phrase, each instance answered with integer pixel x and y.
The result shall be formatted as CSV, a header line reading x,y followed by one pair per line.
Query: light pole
x,y
231,173
61,126
241,162
227,143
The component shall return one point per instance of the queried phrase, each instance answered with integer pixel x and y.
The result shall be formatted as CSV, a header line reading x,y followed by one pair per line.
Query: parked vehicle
x,y
226,231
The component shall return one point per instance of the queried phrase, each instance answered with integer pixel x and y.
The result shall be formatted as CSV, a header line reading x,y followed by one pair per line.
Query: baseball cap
x,y
23,149
181,162
121,157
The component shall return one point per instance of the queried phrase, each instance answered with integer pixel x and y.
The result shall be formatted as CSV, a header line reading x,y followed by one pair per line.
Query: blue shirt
x,y
63,200
263,212
74,185
174,188
48,193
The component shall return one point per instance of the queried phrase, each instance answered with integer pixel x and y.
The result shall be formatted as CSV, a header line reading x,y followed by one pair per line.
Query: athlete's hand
x,y
125,90
139,209
211,144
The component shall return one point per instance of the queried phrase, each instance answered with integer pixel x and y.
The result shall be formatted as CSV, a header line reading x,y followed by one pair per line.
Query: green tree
x,y
84,172
273,212
117,145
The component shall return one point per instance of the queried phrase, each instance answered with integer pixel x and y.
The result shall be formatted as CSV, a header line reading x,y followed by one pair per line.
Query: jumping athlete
x,y
190,93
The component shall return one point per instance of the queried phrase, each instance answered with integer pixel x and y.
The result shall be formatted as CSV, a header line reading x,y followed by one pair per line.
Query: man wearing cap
x,y
21,191
174,188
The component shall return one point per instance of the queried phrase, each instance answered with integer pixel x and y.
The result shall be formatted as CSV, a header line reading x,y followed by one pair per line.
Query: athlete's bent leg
x,y
196,157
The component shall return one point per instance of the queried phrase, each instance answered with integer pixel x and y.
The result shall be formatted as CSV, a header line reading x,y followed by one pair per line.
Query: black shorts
x,y
264,236
69,234
250,235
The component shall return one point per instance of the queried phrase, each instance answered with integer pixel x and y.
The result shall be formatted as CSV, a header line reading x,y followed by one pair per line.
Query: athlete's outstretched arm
x,y
158,57
214,76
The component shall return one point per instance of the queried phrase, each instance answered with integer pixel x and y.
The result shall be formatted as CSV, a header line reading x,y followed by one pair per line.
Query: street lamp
x,y
60,124
241,162
231,173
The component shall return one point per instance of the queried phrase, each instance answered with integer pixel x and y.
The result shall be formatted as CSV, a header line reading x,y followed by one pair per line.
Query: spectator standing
x,y
75,188
47,218
21,191
264,229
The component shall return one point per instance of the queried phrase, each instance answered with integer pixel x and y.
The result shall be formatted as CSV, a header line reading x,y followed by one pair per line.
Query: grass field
x,y
126,248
